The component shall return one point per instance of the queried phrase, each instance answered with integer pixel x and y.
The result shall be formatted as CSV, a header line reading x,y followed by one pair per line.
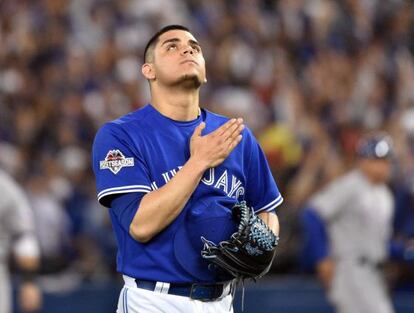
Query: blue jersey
x,y
140,152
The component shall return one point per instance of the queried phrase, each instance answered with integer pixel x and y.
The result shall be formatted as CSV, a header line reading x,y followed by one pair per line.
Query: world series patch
x,y
115,161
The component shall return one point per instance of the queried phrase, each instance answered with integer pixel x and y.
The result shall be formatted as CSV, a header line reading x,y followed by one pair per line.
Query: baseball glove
x,y
250,250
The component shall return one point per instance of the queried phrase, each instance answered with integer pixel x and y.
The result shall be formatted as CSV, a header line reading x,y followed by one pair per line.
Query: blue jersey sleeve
x,y
262,192
118,165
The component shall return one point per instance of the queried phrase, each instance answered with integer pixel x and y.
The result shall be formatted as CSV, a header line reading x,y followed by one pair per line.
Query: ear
x,y
148,71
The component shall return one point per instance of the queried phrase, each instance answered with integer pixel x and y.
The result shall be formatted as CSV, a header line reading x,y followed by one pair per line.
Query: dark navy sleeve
x,y
315,242
262,192
118,165
124,207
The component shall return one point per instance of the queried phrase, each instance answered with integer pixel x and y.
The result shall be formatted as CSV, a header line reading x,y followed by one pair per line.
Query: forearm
x,y
160,207
29,293
272,221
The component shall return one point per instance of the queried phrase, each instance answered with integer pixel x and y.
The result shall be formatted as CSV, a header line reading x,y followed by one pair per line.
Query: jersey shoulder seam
x,y
133,117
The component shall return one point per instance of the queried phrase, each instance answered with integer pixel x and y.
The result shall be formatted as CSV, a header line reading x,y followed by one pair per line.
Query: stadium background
x,y
309,77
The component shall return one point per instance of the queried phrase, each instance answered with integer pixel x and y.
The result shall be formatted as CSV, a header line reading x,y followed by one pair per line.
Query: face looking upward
x,y
176,60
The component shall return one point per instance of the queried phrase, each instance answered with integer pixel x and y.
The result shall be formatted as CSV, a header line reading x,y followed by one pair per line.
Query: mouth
x,y
189,61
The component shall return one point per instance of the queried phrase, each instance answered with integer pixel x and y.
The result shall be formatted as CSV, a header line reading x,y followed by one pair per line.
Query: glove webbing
x,y
266,240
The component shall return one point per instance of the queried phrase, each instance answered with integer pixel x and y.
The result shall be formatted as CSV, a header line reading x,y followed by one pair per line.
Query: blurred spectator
x,y
18,242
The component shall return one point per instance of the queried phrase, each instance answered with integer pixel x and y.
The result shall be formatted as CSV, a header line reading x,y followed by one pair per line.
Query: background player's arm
x,y
325,270
160,207
29,294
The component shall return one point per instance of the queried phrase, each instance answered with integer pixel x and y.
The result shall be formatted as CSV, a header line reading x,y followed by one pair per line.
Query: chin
x,y
189,81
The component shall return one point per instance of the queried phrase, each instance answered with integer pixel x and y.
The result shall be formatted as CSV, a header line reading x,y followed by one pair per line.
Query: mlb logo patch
x,y
115,161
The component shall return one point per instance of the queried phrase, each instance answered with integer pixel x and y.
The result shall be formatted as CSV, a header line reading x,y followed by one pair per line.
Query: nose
x,y
187,50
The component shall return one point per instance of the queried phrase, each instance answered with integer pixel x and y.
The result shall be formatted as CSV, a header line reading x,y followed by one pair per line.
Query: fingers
x,y
215,147
234,143
227,129
223,128
199,129
230,134
233,131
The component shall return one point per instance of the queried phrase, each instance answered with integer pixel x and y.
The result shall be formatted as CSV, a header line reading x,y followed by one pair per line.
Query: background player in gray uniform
x,y
357,211
17,237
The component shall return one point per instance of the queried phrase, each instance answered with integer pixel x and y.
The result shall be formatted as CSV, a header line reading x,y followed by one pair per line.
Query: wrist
x,y
197,166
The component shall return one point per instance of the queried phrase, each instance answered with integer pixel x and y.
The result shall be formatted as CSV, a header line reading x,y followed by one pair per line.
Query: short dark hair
x,y
152,42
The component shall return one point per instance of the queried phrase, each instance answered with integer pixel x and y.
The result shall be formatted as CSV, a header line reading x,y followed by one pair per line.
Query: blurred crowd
x,y
309,77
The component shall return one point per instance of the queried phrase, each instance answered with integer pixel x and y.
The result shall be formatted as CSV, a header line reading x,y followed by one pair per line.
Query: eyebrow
x,y
191,41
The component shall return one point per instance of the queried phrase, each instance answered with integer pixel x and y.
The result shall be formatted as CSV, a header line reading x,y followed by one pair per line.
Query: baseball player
x,y
352,217
172,165
17,235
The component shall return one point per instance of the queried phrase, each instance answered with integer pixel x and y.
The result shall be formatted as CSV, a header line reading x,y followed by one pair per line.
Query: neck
x,y
177,104
370,176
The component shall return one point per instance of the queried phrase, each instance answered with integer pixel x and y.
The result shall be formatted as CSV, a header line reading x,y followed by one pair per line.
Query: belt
x,y
196,291
368,262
